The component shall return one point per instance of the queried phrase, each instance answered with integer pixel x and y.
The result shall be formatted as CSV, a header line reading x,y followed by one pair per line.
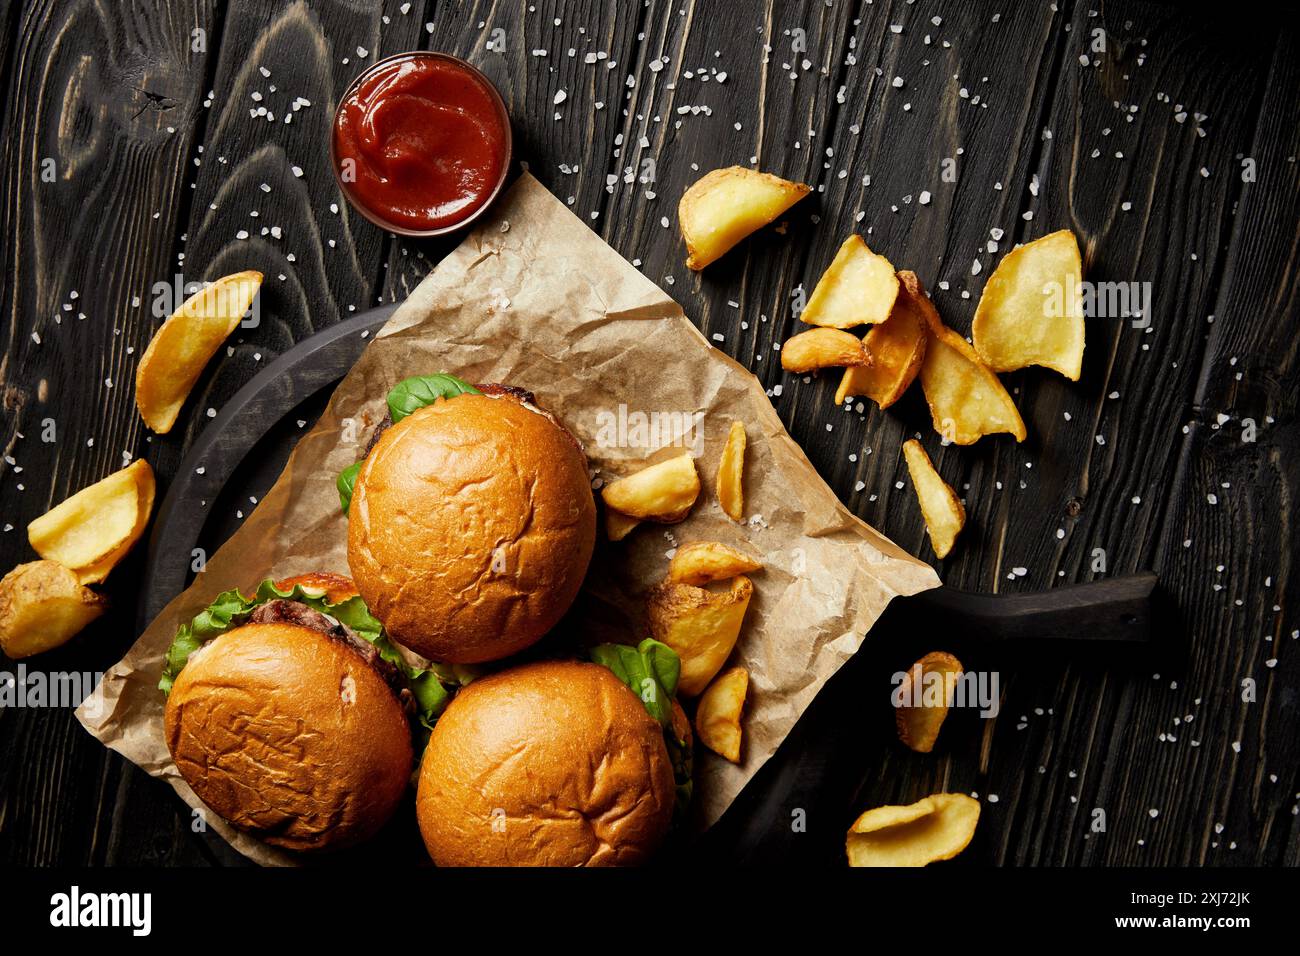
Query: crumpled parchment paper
x,y
534,298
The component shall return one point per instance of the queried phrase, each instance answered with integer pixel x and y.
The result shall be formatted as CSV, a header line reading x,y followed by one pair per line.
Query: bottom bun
x,y
550,764
291,736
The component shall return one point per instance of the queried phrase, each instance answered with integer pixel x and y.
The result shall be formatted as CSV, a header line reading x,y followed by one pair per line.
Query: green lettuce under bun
x,y
408,395
651,671
429,686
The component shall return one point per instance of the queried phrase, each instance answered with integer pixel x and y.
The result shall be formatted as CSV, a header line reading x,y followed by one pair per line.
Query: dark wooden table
x,y
133,150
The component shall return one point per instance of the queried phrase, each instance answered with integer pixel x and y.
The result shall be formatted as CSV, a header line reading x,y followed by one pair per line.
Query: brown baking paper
x,y
534,298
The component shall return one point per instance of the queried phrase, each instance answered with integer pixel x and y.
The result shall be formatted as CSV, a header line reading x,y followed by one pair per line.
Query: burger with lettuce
x,y
291,715
559,763
298,713
471,519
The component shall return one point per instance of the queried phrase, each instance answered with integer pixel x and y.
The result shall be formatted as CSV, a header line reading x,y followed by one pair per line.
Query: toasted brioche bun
x,y
289,735
471,526
549,764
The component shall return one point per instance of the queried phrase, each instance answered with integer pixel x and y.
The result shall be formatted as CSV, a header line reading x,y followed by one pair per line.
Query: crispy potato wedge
x,y
93,530
897,349
724,206
858,288
1030,312
663,492
940,506
184,343
966,400
934,828
43,605
717,715
922,700
703,561
823,348
731,473
618,525
701,626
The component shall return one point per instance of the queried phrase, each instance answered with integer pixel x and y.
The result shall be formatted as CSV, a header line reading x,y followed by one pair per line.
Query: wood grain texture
x,y
871,103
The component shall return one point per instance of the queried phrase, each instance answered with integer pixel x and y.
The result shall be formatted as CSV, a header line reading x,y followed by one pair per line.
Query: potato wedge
x,y
184,343
701,626
618,525
858,288
726,205
703,561
922,700
934,828
717,716
93,530
663,492
823,348
897,349
966,400
1030,312
940,506
731,473
43,605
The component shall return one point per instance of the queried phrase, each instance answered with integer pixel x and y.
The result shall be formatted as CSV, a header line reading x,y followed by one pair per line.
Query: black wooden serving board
x,y
801,801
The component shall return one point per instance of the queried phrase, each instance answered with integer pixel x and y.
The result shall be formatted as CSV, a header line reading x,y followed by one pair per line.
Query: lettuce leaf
x,y
415,392
231,609
406,396
651,670
346,481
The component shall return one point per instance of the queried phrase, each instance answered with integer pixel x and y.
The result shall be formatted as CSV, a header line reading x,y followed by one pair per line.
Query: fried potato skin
x,y
664,492
702,626
43,606
1030,312
91,531
726,205
897,349
823,348
918,727
943,511
717,715
859,287
731,473
934,828
952,375
185,343
701,562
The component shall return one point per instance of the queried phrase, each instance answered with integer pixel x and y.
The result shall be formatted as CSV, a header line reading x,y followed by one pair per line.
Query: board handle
x,y
1110,610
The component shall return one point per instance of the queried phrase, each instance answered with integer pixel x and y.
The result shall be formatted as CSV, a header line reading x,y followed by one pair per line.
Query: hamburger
x,y
289,713
471,520
558,763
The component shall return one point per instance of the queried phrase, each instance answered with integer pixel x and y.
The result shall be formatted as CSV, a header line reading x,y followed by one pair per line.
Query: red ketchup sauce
x,y
421,143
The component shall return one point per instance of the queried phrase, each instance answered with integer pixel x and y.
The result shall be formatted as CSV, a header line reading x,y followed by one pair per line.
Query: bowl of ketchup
x,y
421,143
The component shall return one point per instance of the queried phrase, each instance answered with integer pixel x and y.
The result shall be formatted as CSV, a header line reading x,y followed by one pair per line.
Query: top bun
x,y
471,526
550,764
290,735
